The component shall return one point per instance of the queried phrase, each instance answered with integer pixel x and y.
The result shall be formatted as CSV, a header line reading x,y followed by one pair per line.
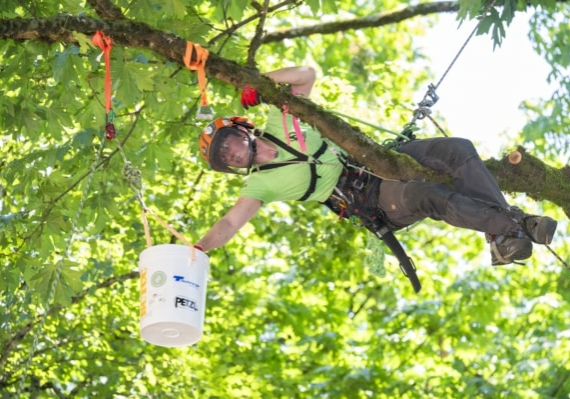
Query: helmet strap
x,y
252,152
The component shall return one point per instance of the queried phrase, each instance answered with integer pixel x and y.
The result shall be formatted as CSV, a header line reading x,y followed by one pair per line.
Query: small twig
x,y
105,9
228,32
256,41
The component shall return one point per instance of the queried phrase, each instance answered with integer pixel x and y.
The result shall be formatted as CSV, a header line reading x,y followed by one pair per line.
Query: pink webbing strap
x,y
284,121
296,127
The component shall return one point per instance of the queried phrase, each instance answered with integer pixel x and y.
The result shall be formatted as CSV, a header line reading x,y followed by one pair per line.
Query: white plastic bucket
x,y
172,294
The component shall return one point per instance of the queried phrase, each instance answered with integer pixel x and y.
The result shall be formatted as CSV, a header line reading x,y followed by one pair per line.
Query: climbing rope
x,y
564,263
379,128
134,177
430,97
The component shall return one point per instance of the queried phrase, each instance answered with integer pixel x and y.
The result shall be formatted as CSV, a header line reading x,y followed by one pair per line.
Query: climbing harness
x,y
299,158
356,197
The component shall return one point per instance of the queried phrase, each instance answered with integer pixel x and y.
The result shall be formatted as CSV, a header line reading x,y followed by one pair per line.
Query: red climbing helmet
x,y
214,135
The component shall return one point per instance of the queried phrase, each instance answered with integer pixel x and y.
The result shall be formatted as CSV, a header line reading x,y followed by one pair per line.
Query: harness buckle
x,y
358,184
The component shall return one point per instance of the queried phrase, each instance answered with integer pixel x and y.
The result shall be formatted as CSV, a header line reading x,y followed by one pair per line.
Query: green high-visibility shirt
x,y
290,182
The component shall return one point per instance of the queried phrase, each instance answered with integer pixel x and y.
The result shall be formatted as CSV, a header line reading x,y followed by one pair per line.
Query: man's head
x,y
228,145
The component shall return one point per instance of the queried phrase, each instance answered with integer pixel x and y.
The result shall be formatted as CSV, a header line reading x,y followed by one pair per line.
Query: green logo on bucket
x,y
158,279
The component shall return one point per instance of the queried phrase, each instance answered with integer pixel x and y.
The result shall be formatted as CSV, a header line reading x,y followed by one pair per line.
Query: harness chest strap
x,y
299,157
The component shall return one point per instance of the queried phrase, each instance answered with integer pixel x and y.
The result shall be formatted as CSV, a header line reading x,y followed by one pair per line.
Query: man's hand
x,y
250,97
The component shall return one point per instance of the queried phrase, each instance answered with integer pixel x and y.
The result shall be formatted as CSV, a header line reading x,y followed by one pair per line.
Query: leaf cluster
x,y
292,308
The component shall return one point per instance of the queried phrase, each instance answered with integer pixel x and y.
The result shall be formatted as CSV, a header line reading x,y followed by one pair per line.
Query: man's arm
x,y
301,78
225,228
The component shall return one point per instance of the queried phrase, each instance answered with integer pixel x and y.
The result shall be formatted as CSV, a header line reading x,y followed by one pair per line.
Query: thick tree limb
x,y
382,161
533,177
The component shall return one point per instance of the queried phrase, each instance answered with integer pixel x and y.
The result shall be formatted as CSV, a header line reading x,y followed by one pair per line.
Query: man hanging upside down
x,y
280,171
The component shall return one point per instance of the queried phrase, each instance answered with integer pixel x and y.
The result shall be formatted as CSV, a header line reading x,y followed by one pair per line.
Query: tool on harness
x,y
382,231
356,196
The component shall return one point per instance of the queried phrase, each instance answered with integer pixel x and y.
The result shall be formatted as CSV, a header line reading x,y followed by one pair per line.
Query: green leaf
x,y
144,78
56,224
85,42
315,5
64,71
174,8
71,276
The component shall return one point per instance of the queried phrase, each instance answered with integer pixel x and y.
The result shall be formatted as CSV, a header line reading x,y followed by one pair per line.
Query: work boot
x,y
505,250
539,229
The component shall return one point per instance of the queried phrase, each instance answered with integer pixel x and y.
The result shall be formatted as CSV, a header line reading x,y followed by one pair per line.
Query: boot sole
x,y
520,253
545,228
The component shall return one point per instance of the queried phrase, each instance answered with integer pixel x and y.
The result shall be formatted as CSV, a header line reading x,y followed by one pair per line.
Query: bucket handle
x,y
167,227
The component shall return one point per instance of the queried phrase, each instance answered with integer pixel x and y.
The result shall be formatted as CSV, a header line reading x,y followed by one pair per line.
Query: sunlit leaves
x,y
65,66
229,9
294,309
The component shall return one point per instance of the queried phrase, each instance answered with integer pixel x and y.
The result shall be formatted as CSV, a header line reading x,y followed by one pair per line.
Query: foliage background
x,y
293,310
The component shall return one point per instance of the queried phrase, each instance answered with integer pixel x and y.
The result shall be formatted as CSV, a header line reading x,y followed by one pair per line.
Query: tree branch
x,y
530,175
257,39
233,28
381,161
375,20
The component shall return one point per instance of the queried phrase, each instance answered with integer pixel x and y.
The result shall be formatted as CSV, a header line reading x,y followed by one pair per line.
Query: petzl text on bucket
x,y
173,294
